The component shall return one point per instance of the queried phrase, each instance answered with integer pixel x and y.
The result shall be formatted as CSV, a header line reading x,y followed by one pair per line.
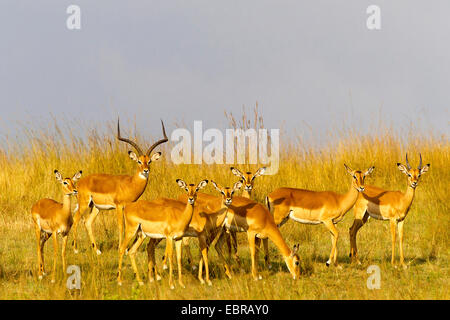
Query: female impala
x,y
245,215
158,219
51,217
106,192
249,180
312,207
387,205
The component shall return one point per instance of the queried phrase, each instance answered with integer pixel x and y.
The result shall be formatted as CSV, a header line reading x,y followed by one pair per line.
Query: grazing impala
x,y
158,219
245,215
106,192
51,217
387,205
249,180
312,207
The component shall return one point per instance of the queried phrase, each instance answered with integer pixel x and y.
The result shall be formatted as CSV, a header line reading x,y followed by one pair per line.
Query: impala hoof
x,y
164,267
75,251
172,287
209,283
40,277
328,263
158,278
202,282
98,252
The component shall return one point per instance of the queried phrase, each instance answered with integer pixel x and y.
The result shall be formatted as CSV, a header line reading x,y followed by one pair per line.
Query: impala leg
x,y
334,238
393,224
266,253
251,242
129,234
400,237
63,252
233,237
88,223
204,250
187,249
44,236
179,248
151,260
169,245
360,220
55,256
76,219
218,247
119,213
165,258
39,252
132,254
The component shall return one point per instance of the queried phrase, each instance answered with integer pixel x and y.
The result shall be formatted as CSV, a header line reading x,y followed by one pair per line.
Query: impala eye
x,y
65,182
297,263
409,175
139,161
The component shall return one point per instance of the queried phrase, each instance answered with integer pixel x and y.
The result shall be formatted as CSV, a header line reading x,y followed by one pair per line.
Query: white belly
x,y
377,216
304,221
104,206
154,235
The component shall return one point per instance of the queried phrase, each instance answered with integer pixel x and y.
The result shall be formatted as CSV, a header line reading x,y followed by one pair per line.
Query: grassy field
x,y
27,175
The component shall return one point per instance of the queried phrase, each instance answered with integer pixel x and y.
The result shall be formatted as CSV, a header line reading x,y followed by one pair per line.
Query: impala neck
x,y
409,197
186,217
246,194
349,198
222,214
67,205
139,181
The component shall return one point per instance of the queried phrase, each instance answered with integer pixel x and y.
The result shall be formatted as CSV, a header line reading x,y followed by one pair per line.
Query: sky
x,y
311,65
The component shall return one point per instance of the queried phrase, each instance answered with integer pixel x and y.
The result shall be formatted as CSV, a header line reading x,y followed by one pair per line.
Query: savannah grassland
x,y
26,175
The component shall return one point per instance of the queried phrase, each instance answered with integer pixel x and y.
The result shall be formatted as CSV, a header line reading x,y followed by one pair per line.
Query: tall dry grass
x,y
26,175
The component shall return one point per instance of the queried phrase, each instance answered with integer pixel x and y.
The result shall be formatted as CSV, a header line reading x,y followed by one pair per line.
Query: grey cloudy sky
x,y
312,62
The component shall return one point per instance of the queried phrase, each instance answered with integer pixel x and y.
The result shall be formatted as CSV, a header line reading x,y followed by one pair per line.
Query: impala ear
x,y
202,184
237,185
425,168
236,172
77,176
181,184
133,156
260,172
402,168
156,156
58,176
349,170
369,171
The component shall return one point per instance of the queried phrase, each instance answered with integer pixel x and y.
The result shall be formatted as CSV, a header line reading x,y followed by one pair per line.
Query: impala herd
x,y
213,219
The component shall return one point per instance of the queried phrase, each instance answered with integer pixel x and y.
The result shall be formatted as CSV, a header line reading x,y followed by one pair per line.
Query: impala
x,y
51,217
249,180
158,219
207,222
105,191
245,215
387,205
313,207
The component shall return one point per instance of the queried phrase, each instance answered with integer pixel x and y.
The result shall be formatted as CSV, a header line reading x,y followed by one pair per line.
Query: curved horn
x,y
407,162
134,144
165,139
420,163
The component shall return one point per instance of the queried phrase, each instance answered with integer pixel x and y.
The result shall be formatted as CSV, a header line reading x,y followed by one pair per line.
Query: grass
x,y
27,175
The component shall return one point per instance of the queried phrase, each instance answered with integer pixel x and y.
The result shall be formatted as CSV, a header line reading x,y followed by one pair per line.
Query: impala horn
x,y
420,163
134,144
157,143
407,162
